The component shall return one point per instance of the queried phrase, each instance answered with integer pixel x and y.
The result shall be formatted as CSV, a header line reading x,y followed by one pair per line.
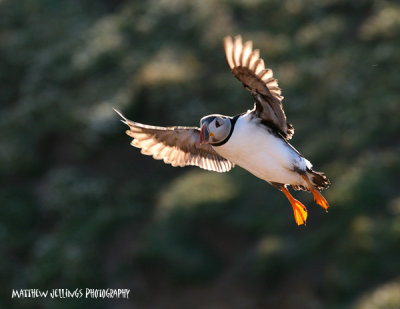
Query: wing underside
x,y
178,146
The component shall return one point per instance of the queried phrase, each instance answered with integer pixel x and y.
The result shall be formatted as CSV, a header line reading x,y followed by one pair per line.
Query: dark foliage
x,y
81,208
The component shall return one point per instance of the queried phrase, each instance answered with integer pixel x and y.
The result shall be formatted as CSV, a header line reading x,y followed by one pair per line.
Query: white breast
x,y
262,153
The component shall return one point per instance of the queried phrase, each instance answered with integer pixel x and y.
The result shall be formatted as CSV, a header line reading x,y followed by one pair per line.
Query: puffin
x,y
257,140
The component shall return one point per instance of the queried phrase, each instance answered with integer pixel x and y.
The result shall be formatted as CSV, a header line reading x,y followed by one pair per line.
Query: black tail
x,y
319,180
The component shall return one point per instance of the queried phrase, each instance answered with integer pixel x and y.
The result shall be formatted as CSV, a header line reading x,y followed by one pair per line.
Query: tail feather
x,y
318,179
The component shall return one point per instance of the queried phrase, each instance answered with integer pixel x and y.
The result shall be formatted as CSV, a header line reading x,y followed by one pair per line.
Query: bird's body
x,y
256,140
258,149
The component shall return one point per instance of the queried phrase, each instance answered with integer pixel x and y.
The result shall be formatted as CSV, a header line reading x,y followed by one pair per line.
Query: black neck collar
x,y
233,122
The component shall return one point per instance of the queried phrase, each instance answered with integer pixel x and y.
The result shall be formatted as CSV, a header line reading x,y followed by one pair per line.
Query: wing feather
x,y
266,75
259,66
246,52
247,66
237,50
253,58
228,47
178,146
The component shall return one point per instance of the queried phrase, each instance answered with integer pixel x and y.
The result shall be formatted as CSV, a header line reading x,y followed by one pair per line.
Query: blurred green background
x,y
80,207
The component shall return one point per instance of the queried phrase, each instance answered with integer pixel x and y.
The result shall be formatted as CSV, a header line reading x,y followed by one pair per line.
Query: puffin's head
x,y
214,129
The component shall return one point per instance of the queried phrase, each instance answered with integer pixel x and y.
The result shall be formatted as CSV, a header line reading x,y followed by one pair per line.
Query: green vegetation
x,y
80,207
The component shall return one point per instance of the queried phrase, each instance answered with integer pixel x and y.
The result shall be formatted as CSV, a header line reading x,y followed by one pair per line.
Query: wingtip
x,y
124,119
118,112
237,37
228,47
227,38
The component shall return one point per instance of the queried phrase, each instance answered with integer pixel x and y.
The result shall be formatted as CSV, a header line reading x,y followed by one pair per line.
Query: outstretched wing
x,y
178,146
247,66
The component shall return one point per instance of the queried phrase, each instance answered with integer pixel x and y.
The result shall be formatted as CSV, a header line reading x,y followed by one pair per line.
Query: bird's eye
x,y
217,123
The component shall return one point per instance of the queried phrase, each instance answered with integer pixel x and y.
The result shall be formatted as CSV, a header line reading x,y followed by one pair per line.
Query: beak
x,y
204,135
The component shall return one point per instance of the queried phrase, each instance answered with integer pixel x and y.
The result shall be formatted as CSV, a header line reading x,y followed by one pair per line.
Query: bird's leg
x,y
319,199
299,210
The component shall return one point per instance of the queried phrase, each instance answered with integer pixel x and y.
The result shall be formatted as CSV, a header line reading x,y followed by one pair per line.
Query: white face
x,y
218,128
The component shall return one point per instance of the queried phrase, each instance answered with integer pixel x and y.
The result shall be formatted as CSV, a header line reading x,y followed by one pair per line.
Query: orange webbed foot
x,y
318,198
299,210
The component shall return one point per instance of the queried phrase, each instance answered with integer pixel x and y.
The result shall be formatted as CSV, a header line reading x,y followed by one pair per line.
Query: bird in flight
x,y
256,140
